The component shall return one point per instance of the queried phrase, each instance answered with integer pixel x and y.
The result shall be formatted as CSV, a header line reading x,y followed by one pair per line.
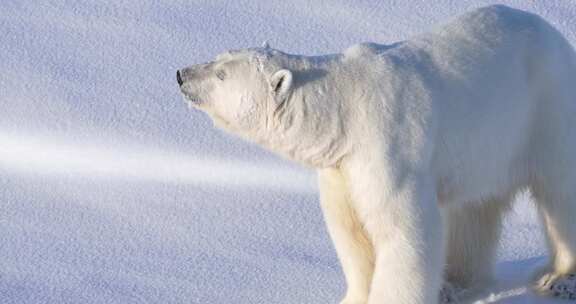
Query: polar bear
x,y
419,145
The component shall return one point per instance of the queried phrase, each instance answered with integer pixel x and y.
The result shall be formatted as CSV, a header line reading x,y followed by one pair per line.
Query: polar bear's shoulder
x,y
361,49
366,49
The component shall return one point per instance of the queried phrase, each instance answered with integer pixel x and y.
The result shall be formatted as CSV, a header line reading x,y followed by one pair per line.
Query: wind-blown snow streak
x,y
44,157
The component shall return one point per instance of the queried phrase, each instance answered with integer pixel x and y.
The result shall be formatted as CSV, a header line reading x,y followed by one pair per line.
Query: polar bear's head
x,y
239,90
282,101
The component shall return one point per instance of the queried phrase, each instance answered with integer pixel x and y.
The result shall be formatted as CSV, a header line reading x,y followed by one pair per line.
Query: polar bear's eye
x,y
221,74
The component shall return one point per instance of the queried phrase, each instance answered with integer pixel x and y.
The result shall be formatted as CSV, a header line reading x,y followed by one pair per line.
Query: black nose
x,y
179,78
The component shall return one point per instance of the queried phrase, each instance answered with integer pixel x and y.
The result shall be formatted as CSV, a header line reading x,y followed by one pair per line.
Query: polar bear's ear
x,y
281,84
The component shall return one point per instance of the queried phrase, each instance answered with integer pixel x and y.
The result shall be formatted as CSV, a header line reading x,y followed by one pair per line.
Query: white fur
x,y
446,126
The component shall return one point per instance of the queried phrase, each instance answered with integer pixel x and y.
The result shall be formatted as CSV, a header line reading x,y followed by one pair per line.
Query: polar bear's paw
x,y
558,286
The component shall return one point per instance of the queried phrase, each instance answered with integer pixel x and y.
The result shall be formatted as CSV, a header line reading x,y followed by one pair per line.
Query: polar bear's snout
x,y
193,75
184,76
179,78
191,84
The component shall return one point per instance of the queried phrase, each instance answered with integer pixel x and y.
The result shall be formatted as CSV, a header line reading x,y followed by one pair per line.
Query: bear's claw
x,y
564,288
561,287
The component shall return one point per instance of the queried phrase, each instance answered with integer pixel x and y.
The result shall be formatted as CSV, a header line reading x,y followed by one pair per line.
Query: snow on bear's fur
x,y
419,145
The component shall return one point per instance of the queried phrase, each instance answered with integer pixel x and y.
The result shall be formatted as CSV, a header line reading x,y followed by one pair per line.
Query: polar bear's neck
x,y
310,127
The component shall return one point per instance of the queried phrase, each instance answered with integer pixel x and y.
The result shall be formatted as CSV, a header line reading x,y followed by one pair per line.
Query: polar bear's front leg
x,y
402,219
352,245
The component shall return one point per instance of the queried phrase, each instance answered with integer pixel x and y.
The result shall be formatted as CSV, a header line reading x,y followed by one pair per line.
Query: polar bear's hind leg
x,y
473,231
557,209
553,152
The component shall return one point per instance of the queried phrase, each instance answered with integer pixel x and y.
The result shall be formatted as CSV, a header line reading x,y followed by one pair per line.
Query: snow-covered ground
x,y
112,191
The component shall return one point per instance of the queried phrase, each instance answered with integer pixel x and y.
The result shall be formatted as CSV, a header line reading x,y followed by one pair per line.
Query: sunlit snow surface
x,y
48,158
112,191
